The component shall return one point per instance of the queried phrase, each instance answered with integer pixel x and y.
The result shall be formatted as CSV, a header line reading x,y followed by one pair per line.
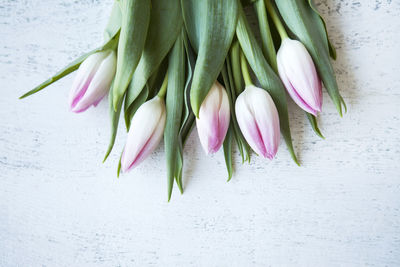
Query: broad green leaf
x,y
134,24
313,121
228,152
74,65
266,76
308,27
211,26
165,25
174,107
268,47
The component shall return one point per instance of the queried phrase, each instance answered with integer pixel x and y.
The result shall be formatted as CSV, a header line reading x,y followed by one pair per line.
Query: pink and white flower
x,y
93,80
213,121
258,120
145,133
298,74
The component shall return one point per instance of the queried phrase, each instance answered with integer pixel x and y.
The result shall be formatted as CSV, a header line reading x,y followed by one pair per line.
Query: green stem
x,y
275,18
163,89
235,65
245,70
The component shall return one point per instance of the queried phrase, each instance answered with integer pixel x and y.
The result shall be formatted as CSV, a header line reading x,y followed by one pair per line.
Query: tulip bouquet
x,y
172,64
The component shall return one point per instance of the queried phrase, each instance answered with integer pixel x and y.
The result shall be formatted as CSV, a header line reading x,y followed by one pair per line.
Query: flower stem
x,y
245,70
275,18
163,89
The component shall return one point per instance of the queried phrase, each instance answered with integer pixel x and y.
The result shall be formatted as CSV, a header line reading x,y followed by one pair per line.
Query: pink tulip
x,y
93,80
145,133
258,120
297,71
213,121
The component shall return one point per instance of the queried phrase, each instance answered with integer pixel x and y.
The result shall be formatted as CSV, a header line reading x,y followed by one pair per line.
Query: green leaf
x,y
324,31
309,28
268,47
134,24
174,108
313,121
188,116
74,65
266,76
114,22
114,119
165,25
211,26
228,152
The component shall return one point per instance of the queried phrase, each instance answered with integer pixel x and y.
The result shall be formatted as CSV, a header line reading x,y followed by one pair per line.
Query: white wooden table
x,y
60,206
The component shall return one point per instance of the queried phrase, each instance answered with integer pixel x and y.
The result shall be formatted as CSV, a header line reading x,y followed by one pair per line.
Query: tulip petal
x,y
145,132
267,120
293,94
258,120
248,125
213,121
149,146
99,85
84,76
298,67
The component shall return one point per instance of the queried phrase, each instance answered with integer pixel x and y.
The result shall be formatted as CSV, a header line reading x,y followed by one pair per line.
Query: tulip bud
x,y
213,121
258,120
298,74
145,133
93,80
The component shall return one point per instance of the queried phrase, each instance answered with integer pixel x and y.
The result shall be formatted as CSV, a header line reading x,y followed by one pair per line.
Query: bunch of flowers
x,y
172,64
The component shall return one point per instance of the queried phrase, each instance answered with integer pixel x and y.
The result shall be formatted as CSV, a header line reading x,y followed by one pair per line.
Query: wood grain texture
x,y
59,206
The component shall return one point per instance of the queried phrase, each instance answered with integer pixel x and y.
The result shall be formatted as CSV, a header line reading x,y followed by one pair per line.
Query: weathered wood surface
x,y
60,206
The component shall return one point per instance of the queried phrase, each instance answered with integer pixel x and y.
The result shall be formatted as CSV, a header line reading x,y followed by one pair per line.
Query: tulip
x,y
258,120
213,121
93,80
145,133
297,71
